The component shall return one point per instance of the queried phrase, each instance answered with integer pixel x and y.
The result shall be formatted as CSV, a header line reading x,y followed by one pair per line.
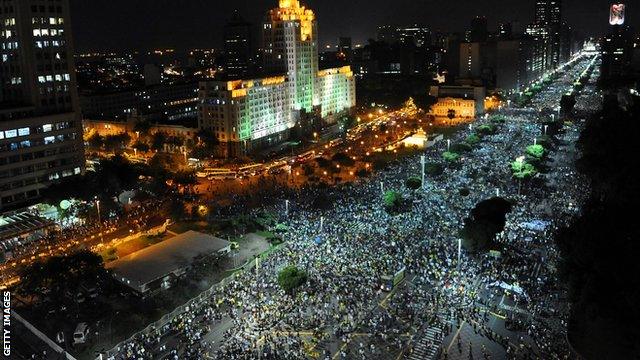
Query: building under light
x,y
40,128
257,113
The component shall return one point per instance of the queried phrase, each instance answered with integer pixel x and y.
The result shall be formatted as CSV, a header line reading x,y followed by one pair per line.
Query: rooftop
x,y
159,260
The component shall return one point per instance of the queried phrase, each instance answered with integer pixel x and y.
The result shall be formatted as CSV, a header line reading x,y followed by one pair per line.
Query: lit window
x,y
49,140
53,21
36,32
41,79
11,133
49,78
58,77
44,32
46,127
23,131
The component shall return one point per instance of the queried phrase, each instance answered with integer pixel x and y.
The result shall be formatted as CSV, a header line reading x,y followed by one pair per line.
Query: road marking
x,y
455,336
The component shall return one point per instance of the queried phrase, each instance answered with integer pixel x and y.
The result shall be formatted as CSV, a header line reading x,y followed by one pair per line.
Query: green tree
x,y
523,169
95,141
451,156
414,183
487,219
291,278
158,139
536,151
433,169
392,200
451,114
461,148
473,139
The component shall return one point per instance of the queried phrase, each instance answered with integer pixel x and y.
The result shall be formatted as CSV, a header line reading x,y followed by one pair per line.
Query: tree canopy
x,y
487,219
291,278
414,183
451,156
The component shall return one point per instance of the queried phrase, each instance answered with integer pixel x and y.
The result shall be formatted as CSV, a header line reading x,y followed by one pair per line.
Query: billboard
x,y
616,15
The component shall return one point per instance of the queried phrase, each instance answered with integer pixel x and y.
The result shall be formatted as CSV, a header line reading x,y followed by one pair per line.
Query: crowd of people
x,y
347,244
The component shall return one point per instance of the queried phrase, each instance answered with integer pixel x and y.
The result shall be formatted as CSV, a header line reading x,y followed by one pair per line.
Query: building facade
x,y
40,127
256,113
163,102
237,47
458,101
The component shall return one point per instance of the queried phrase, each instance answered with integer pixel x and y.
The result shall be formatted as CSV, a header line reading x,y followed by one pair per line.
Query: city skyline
x,y
198,24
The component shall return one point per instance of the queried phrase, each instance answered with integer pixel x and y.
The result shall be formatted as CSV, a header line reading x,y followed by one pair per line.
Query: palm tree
x,y
451,114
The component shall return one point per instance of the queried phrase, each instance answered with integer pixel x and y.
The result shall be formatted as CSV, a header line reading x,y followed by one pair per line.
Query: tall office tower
x,y
617,47
505,31
418,35
40,127
387,33
479,29
548,15
291,44
345,46
237,47
548,12
252,114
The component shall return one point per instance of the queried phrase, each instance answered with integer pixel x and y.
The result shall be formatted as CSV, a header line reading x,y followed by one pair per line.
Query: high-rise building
x,y
254,113
417,35
617,53
237,47
387,33
548,21
479,29
40,127
505,31
548,12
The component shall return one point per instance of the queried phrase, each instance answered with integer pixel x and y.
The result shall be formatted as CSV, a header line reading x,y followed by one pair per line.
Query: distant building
x,y
417,35
617,50
40,129
152,74
237,47
461,101
255,113
479,29
164,102
387,33
547,27
505,31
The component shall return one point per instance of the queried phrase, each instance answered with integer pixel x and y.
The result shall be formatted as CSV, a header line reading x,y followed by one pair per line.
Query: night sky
x,y
182,24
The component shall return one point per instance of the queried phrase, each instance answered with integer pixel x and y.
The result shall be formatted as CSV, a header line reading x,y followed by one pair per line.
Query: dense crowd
x,y
347,246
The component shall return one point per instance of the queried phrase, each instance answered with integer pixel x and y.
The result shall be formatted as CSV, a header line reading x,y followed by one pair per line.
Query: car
x,y
81,334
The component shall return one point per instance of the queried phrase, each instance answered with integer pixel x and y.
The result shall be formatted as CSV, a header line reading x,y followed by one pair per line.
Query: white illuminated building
x,y
255,113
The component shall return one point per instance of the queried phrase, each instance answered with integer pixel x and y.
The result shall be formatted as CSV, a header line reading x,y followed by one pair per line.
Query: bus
x,y
212,171
251,170
231,175
388,282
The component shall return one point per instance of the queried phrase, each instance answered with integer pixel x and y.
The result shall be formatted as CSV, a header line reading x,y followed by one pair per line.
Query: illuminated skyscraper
x,y
250,114
40,128
548,22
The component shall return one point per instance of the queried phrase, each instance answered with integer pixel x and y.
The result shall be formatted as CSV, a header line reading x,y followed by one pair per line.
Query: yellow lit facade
x,y
463,108
260,112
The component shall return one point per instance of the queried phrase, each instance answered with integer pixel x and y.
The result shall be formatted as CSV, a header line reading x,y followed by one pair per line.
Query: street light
x,y
423,160
459,252
98,208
